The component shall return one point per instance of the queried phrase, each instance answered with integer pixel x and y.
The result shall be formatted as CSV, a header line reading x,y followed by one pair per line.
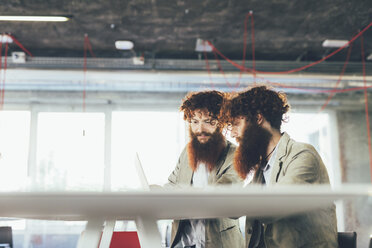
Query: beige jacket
x,y
298,163
220,233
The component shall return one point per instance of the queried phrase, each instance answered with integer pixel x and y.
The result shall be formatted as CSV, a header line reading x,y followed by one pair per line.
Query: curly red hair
x,y
256,100
210,101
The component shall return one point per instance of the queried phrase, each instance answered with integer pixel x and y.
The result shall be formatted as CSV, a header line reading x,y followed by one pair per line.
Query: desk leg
x,y
107,234
92,234
148,232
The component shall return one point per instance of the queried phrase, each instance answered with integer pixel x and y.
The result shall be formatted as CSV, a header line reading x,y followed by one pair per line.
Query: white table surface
x,y
148,206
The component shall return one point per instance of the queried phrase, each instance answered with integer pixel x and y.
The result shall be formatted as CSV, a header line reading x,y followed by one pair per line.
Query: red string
x,y
279,85
207,64
1,64
19,44
339,78
296,69
366,105
222,72
89,46
85,70
244,45
253,51
5,67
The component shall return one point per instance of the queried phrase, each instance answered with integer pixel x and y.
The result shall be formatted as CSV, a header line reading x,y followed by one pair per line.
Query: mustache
x,y
203,133
208,152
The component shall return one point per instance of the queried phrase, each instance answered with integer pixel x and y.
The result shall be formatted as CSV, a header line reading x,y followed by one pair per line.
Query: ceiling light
x,y
202,46
35,18
18,57
124,45
334,43
4,38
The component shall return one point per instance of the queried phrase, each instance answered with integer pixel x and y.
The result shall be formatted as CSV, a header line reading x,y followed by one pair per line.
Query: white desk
x,y
145,207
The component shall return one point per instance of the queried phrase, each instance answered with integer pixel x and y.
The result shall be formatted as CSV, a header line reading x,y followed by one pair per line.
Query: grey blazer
x,y
298,163
222,232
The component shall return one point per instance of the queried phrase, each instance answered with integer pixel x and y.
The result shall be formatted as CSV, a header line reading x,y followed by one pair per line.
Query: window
x,y
158,137
316,134
70,151
14,143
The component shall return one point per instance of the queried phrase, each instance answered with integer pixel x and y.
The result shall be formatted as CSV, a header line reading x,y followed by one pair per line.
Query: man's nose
x,y
200,127
233,133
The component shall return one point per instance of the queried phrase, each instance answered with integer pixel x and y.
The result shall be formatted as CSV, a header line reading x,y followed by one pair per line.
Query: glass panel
x,y
70,151
316,134
158,137
14,143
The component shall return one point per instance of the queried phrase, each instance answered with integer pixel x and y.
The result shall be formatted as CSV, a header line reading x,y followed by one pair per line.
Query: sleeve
x,y
304,168
173,177
229,176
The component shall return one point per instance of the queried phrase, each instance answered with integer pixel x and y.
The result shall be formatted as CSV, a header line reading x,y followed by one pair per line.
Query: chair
x,y
125,240
347,239
6,238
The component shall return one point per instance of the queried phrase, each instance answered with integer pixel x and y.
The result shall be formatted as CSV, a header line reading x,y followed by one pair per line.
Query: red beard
x,y
252,149
208,152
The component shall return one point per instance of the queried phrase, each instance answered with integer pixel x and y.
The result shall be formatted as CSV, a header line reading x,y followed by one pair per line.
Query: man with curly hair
x,y
273,158
206,160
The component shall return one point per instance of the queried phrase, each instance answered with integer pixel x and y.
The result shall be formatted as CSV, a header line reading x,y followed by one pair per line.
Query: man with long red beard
x,y
206,160
272,158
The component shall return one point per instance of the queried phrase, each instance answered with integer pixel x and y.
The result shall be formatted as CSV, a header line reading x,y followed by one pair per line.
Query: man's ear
x,y
260,119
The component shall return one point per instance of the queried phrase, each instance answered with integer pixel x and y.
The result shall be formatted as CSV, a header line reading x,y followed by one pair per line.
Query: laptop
x,y
141,173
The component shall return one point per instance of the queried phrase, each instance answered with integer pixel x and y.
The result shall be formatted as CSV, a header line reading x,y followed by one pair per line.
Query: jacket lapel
x,y
281,153
258,177
187,177
220,164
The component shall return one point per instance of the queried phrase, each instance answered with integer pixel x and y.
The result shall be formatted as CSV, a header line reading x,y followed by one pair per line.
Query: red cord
x,y
90,47
221,70
366,105
19,44
253,51
339,79
1,64
296,69
207,65
85,70
5,67
244,45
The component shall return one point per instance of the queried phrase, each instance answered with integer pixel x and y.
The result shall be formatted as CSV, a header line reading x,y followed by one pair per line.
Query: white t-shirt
x,y
194,231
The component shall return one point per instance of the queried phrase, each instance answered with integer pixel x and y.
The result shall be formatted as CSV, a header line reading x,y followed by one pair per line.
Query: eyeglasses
x,y
212,122
231,125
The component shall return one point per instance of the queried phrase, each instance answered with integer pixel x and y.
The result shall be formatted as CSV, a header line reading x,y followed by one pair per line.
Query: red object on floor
x,y
125,240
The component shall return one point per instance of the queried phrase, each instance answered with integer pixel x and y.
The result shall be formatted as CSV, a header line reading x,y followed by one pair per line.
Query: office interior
x,y
80,97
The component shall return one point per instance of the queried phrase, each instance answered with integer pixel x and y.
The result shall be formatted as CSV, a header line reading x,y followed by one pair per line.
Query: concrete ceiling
x,y
285,30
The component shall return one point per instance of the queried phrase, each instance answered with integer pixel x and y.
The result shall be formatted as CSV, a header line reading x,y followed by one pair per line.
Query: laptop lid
x,y
141,173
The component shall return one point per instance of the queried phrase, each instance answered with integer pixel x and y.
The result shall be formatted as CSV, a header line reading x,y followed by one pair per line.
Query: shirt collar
x,y
272,158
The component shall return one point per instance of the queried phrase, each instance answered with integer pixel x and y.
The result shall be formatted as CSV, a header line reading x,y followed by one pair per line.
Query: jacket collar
x,y
283,146
280,155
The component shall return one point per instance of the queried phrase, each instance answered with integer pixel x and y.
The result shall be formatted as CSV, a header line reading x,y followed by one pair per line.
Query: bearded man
x,y
272,158
206,160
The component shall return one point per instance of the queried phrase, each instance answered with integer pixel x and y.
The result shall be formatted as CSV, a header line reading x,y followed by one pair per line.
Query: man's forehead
x,y
239,118
201,114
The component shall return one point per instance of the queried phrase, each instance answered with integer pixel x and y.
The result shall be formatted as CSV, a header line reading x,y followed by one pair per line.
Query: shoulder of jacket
x,y
294,148
231,150
184,152
232,147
